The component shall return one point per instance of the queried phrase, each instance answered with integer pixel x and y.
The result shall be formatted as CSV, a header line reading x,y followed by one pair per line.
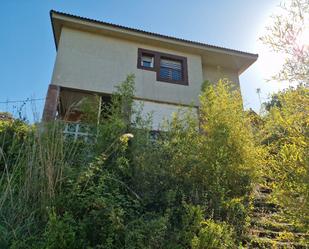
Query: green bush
x,y
237,214
285,133
61,232
230,156
13,133
214,235
147,232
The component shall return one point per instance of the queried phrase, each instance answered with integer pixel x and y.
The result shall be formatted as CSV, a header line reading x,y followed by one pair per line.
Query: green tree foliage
x,y
286,135
12,135
228,146
284,129
288,35
213,235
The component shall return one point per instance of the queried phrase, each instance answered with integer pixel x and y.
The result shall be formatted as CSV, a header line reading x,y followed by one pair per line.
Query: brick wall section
x,y
51,103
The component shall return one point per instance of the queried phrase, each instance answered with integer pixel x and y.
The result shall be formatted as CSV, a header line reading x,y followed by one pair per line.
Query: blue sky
x,y
28,51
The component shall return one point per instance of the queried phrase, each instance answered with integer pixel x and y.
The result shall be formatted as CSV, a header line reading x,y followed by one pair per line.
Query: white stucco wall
x,y
97,63
160,113
213,74
93,62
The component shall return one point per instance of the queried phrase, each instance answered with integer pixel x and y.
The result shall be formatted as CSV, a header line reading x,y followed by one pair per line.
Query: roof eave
x,y
53,28
90,23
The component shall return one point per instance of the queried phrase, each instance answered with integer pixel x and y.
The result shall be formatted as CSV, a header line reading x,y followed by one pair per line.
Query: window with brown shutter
x,y
169,68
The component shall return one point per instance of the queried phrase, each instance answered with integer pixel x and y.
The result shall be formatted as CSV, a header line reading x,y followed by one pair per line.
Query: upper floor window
x,y
171,69
168,68
147,61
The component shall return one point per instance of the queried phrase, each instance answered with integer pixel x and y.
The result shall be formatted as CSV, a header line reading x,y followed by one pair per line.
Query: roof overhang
x,y
211,55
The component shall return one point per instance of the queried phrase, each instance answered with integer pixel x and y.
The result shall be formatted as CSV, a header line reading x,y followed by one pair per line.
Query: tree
x,y
289,34
285,129
286,137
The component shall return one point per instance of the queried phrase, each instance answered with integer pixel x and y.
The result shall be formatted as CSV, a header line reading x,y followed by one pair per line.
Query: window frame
x,y
144,52
156,67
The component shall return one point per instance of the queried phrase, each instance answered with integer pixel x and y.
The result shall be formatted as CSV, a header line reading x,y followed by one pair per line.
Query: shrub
x,y
230,156
148,231
214,235
286,135
237,214
13,133
60,232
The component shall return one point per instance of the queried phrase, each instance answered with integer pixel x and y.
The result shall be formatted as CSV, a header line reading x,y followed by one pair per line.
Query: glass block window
x,y
77,131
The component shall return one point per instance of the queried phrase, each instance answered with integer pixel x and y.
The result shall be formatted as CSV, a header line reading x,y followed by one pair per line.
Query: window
x,y
168,68
76,131
147,61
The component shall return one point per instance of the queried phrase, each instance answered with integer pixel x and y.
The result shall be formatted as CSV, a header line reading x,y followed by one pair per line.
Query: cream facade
x,y
94,57
97,63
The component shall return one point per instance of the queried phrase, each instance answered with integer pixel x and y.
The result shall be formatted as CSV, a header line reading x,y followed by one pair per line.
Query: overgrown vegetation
x,y
285,133
192,187
189,188
284,127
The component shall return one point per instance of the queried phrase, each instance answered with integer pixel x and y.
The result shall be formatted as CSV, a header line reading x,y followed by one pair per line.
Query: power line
x,y
21,101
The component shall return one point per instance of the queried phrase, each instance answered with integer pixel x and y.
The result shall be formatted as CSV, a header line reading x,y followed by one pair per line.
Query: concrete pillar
x,y
51,103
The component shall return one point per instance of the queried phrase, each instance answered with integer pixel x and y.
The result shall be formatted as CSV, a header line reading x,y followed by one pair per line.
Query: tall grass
x,y
32,175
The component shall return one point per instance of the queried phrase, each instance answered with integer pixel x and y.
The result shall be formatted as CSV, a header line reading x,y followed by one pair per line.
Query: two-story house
x,y
94,56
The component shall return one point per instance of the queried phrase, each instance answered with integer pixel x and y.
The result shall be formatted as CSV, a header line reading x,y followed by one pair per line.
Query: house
x,y
94,56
